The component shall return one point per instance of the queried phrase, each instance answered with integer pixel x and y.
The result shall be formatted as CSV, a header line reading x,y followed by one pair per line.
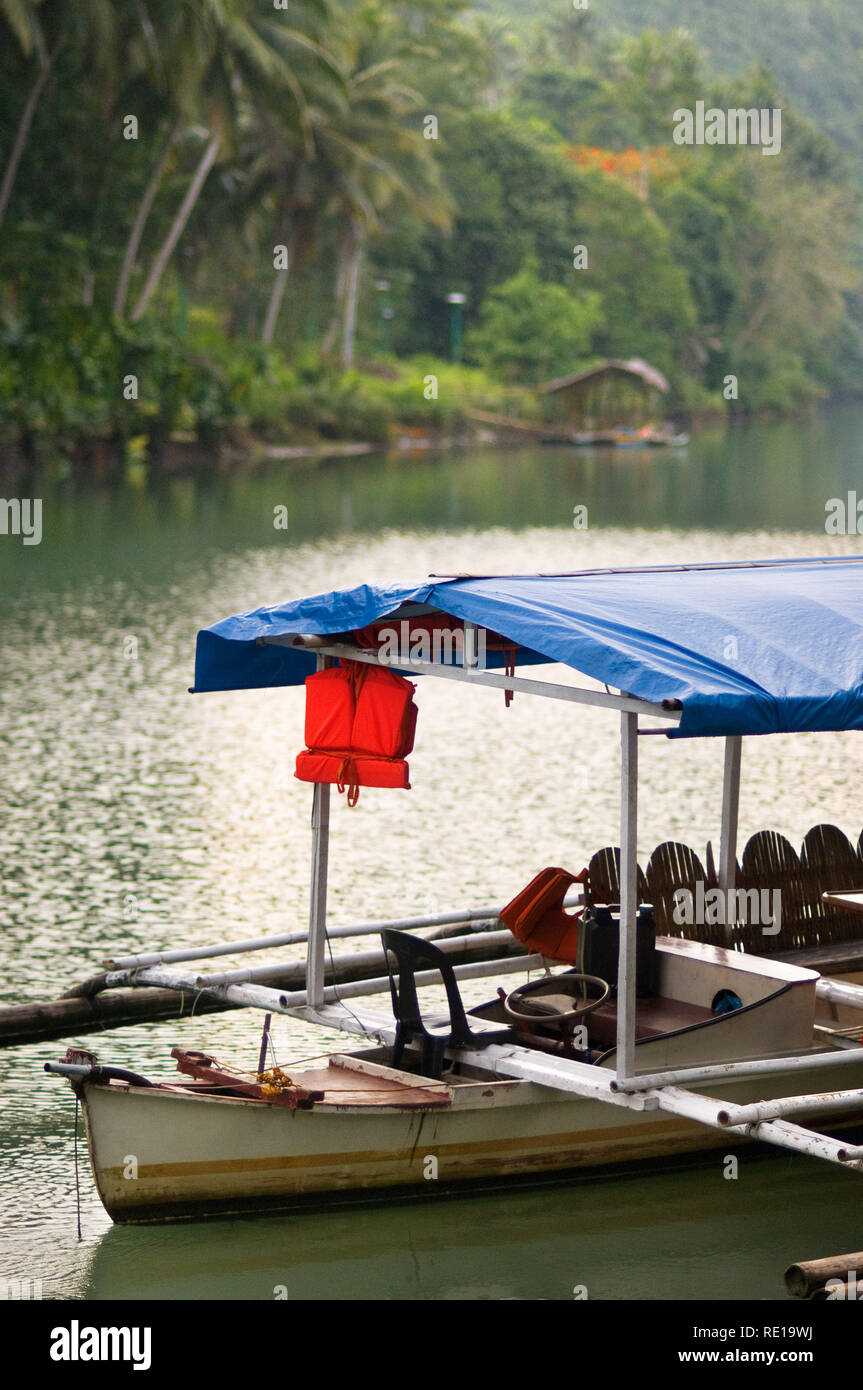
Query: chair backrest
x,y
413,954
828,861
604,877
770,863
674,866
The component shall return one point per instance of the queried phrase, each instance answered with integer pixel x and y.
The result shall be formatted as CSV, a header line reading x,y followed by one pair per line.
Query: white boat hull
x,y
162,1155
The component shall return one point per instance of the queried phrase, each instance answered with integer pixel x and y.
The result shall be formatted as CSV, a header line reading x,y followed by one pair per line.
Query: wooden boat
x,y
717,1049
202,1147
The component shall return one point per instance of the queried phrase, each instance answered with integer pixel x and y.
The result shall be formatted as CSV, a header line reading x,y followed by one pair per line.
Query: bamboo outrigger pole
x,y
819,1278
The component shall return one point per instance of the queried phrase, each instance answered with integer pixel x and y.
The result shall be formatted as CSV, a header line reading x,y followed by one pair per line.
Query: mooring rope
x,y
77,1182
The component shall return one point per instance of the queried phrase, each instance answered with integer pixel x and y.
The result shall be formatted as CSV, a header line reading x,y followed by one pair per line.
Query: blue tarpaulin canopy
x,y
758,648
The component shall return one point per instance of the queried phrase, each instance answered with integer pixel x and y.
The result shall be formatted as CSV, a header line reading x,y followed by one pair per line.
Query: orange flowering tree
x,y
637,168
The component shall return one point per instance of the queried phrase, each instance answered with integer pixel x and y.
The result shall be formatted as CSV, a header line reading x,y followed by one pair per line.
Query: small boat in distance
x,y
629,437
638,1048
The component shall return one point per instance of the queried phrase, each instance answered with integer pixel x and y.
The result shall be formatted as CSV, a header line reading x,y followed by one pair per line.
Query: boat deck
x,y
363,1081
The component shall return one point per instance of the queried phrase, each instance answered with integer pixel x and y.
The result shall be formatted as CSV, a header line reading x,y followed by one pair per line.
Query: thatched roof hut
x,y
607,394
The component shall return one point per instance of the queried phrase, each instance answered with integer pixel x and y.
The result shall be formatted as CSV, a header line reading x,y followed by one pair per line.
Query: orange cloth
x,y
536,916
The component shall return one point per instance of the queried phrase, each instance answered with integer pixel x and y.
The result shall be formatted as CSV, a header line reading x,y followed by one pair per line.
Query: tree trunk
x,y
278,292
207,160
329,338
24,126
140,223
353,285
275,304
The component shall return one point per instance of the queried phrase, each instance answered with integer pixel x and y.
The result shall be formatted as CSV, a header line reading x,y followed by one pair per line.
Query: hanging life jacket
x,y
360,727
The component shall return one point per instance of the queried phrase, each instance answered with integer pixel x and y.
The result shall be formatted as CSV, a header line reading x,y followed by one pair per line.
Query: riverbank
x,y
105,398
172,398
198,402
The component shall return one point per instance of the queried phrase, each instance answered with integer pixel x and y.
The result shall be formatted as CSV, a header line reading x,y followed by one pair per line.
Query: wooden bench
x,y
817,934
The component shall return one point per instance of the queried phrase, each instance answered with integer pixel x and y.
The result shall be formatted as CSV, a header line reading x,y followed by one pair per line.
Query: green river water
x,y
135,816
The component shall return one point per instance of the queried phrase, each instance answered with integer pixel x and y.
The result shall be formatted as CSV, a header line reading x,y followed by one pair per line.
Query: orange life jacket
x,y
537,917
360,727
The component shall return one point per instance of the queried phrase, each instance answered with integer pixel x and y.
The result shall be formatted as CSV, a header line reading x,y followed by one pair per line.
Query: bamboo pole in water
x,y
809,1278
90,1010
479,919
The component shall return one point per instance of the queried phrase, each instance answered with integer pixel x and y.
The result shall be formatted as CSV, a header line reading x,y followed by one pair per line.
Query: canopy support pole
x,y
625,1060
730,811
315,957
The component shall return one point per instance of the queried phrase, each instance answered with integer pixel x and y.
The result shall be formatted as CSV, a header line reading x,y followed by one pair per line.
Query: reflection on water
x,y
687,1235
136,816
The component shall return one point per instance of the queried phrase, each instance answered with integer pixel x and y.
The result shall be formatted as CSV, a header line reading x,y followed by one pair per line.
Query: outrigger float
x,y
642,1047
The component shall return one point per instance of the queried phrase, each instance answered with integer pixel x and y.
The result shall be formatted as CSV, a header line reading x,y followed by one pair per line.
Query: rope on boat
x,y
77,1180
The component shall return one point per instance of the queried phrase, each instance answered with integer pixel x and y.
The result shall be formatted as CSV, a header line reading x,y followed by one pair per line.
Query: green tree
x,y
647,302
516,196
530,330
360,161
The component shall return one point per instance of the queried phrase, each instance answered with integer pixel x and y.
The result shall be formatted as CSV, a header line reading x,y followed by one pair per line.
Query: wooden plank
x,y
205,1068
367,1067
673,866
344,1086
851,901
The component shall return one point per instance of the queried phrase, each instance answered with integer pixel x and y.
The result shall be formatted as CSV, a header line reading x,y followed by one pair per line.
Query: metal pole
x,y
318,900
625,1061
838,993
477,918
333,994
281,1001
730,811
821,1102
517,683
729,1071
705,1110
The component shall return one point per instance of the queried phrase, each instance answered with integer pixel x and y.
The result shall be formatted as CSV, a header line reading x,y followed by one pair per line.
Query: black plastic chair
x,y
413,954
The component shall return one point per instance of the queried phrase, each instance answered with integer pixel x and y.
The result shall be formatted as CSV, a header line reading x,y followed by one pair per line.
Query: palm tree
x,y
41,31
380,161
20,16
235,53
362,154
